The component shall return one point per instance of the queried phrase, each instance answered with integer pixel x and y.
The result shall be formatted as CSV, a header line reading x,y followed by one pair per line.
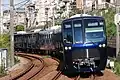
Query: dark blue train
x,y
82,41
85,42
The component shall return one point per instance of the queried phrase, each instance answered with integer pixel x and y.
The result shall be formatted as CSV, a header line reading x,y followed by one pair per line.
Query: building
x,y
40,13
19,18
88,4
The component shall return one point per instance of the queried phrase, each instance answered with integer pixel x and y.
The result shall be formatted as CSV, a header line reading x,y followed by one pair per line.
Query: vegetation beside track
x,y
117,67
108,14
5,43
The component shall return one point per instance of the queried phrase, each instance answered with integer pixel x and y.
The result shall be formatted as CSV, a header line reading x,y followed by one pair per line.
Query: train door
x,y
67,41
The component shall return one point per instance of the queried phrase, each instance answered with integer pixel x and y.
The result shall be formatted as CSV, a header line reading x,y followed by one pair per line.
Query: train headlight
x,y
69,48
73,62
100,45
103,45
66,48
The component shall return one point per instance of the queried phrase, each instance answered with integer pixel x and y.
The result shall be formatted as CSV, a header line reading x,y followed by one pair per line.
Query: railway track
x,y
56,77
31,70
77,77
59,73
90,77
36,68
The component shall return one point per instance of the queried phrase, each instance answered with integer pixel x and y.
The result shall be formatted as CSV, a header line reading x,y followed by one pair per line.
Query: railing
x,y
104,5
111,41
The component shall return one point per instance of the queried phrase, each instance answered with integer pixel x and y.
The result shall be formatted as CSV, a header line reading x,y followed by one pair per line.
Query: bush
x,y
110,26
4,41
117,67
19,28
108,14
16,60
2,70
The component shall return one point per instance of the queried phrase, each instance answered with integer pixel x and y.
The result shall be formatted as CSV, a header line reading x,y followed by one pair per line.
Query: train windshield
x,y
77,26
94,30
67,35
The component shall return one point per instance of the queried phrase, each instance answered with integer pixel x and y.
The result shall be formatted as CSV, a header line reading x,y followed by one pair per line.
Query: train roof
x,y
50,30
78,16
21,33
36,30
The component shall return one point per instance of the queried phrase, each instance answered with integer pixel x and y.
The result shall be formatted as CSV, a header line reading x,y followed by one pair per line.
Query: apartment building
x,y
87,4
19,18
41,12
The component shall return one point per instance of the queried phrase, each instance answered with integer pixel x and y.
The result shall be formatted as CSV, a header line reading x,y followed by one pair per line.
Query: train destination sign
x,y
77,25
67,26
93,24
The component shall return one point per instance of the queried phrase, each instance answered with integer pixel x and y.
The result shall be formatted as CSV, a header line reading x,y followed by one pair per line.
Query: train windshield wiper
x,y
90,41
67,41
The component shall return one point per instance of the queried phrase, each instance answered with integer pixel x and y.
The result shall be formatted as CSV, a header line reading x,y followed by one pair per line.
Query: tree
x,y
108,15
109,19
19,28
4,41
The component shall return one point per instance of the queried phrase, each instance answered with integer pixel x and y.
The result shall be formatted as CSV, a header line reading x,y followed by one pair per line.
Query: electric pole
x,y
1,16
117,30
12,32
53,17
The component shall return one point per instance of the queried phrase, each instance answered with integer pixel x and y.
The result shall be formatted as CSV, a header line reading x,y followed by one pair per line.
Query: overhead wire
x,y
23,4
15,4
18,5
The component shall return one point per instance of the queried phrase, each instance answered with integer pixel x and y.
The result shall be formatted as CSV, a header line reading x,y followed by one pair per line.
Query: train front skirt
x,y
85,60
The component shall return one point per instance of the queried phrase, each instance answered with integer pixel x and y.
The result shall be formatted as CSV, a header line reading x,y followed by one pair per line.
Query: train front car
x,y
84,41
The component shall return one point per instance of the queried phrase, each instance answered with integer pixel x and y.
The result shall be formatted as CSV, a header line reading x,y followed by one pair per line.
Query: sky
x,y
6,2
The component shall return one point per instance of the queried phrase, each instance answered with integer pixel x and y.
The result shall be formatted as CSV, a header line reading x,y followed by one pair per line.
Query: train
x,y
81,39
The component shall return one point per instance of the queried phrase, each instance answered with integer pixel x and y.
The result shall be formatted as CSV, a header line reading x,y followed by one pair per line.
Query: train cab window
x,y
67,32
77,27
94,30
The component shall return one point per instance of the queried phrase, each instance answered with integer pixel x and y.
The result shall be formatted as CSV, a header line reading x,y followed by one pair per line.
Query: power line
x,y
15,4
23,4
20,2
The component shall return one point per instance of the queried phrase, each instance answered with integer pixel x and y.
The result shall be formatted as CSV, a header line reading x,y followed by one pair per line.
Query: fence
x,y
111,46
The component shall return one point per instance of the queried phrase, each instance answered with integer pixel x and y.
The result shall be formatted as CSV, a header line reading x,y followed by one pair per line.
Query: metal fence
x,y
4,58
111,46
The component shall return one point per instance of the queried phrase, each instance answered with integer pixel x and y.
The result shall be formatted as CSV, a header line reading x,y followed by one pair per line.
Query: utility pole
x,y
29,16
53,17
46,13
26,19
1,16
12,31
117,29
1,21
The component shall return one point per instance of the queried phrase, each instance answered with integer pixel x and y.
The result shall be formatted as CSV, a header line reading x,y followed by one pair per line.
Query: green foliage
x,y
108,14
117,67
109,19
2,71
4,41
16,59
19,28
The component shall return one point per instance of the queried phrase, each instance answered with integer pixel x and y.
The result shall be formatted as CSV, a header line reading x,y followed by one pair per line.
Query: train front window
x,y
67,28
77,25
94,30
